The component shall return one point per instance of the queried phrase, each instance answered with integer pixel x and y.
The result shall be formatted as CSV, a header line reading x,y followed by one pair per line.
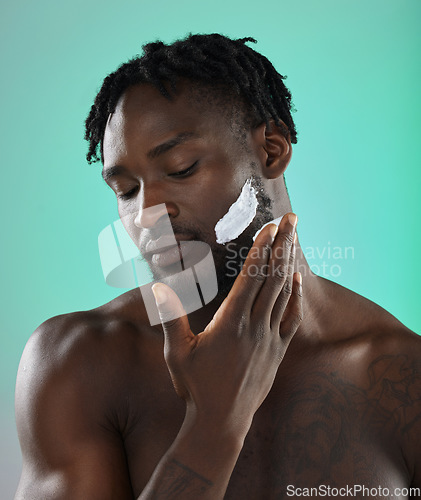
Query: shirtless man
x,y
270,389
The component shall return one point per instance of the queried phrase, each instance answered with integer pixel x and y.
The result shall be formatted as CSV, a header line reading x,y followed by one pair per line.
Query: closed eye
x,y
182,173
127,195
186,172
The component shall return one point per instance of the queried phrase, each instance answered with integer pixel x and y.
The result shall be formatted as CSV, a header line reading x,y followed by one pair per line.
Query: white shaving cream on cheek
x,y
239,215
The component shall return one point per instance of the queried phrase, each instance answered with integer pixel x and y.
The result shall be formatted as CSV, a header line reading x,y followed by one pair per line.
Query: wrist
x,y
211,430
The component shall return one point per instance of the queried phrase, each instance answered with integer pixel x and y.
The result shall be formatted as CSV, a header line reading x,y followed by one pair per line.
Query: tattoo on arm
x,y
181,480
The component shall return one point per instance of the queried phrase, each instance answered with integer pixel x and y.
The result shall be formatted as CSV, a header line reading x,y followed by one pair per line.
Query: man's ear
x,y
273,147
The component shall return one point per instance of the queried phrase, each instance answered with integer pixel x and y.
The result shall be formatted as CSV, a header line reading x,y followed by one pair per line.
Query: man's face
x,y
185,156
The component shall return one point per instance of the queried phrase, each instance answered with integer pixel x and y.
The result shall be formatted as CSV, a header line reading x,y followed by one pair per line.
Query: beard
x,y
229,258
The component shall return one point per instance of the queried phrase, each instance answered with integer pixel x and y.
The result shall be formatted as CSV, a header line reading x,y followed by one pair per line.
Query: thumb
x,y
173,318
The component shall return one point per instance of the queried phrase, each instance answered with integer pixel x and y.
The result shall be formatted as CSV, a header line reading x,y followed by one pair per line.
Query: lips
x,y
163,252
167,257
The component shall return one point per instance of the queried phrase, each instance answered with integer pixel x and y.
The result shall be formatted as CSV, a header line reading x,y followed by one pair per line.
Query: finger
x,y
293,315
284,295
177,332
278,268
253,274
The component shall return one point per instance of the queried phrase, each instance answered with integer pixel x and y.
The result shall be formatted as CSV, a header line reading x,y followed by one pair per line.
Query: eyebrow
x,y
112,171
171,143
152,154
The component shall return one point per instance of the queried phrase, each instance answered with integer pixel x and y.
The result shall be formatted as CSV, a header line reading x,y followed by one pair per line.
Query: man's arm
x,y
69,449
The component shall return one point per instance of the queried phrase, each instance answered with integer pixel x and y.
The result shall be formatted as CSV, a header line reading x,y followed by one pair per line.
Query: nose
x,y
148,217
153,205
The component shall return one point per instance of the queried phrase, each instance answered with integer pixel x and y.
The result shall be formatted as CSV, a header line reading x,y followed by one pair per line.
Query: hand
x,y
225,372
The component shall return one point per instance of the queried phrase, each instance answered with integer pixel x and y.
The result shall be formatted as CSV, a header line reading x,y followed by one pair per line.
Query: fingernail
x,y
159,293
299,278
292,218
273,230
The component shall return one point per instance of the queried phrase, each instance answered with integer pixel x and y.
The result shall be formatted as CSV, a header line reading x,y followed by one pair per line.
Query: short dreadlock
x,y
214,61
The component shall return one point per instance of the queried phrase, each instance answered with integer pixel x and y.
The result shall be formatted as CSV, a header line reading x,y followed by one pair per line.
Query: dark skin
x,y
274,384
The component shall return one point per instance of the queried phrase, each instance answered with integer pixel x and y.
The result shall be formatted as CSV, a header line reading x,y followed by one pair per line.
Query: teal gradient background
x,y
354,71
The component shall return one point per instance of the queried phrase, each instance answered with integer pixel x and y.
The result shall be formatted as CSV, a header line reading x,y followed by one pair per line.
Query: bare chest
x,y
320,433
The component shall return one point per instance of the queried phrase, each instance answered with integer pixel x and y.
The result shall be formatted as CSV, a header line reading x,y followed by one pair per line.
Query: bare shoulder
x,y
393,367
385,357
385,369
89,352
389,337
394,387
367,332
387,342
72,399
84,338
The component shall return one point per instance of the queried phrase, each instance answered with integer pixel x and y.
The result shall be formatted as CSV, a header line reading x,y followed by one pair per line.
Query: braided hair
x,y
230,68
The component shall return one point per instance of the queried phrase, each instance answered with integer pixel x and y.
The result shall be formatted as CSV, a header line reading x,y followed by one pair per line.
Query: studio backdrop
x,y
353,68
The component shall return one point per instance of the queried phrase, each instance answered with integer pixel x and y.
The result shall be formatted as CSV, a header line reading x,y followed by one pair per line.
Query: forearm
x,y
199,464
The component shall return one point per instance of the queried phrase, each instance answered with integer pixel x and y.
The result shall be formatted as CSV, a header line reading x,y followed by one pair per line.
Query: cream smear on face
x,y
239,216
